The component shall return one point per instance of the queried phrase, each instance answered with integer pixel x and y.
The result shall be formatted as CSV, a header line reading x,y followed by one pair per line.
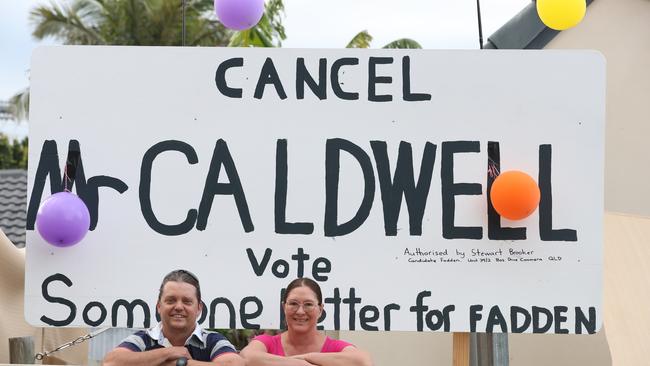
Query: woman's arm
x,y
256,354
349,356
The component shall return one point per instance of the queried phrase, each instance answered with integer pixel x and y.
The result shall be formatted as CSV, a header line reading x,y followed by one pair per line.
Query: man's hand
x,y
174,353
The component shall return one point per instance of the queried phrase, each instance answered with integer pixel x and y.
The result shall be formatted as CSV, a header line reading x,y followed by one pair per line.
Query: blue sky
x,y
435,24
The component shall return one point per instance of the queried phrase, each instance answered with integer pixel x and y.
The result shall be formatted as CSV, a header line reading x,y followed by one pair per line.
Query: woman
x,y
302,344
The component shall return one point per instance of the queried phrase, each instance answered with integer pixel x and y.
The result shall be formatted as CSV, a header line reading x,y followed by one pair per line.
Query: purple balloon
x,y
63,219
239,14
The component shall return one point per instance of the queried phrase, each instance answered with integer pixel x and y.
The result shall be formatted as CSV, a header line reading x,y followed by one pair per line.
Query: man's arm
x,y
349,356
226,359
164,356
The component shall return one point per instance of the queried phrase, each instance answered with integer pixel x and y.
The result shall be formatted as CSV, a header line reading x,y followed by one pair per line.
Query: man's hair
x,y
181,275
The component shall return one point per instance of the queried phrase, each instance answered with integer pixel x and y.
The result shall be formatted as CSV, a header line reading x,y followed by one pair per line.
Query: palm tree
x,y
122,22
363,40
157,22
143,22
129,22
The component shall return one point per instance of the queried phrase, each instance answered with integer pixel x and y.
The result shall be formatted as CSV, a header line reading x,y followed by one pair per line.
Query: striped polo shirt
x,y
202,345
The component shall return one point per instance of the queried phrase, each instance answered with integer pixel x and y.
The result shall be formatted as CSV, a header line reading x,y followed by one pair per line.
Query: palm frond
x,y
207,33
90,11
202,27
263,38
274,13
403,43
269,31
74,24
135,10
19,105
361,40
240,39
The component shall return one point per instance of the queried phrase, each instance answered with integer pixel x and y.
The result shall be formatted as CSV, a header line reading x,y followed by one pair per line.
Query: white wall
x,y
620,29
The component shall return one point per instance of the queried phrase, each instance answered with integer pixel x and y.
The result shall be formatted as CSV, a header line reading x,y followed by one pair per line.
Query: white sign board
x,y
251,167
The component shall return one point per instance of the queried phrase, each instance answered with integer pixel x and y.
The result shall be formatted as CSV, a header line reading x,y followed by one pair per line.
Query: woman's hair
x,y
299,282
181,275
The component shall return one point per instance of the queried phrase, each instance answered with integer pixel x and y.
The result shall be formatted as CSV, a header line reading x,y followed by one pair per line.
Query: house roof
x,y
13,205
524,31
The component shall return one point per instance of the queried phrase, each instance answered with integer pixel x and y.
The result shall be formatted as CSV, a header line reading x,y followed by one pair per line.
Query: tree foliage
x,y
269,31
13,154
129,22
403,43
361,40
144,23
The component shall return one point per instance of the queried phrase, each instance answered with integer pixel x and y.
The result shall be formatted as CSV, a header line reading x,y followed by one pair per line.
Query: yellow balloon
x,y
561,14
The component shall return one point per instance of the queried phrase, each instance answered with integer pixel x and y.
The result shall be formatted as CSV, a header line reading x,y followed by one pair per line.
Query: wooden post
x,y
461,349
21,350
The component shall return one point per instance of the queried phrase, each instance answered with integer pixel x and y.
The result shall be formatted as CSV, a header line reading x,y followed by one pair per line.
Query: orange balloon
x,y
514,195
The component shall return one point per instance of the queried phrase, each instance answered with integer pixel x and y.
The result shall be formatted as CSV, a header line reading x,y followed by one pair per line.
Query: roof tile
x,y
13,205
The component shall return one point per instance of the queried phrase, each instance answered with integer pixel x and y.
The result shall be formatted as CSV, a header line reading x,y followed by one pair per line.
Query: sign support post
x,y
461,349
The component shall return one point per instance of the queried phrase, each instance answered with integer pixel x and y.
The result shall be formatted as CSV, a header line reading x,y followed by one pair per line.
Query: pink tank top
x,y
274,344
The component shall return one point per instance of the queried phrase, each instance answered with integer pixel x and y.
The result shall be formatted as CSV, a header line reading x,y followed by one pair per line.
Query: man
x,y
177,339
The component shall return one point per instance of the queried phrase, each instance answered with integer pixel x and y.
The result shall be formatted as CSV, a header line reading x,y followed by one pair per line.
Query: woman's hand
x,y
350,356
305,363
302,358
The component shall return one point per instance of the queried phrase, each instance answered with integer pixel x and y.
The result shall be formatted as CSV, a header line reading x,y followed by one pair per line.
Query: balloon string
x,y
65,179
183,23
480,27
493,171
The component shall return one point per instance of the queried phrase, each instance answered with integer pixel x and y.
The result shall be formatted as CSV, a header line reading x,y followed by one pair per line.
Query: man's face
x,y
178,307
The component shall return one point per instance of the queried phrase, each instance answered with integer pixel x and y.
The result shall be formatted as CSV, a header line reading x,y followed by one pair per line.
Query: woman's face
x,y
302,309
